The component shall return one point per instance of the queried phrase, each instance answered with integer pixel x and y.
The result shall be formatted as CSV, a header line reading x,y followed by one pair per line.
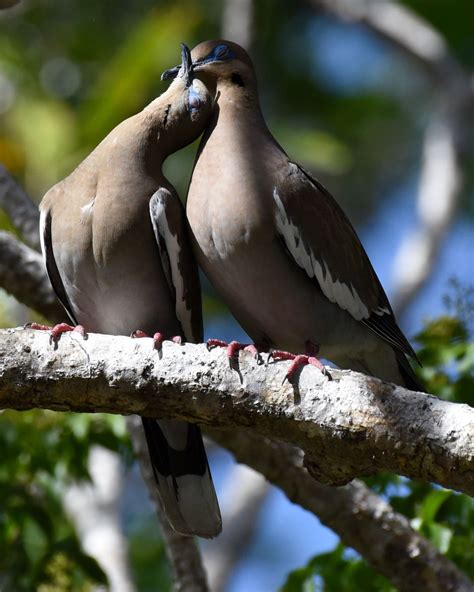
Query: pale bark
x,y
349,426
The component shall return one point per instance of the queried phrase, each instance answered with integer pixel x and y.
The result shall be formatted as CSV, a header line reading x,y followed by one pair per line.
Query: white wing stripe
x,y
158,216
42,230
341,294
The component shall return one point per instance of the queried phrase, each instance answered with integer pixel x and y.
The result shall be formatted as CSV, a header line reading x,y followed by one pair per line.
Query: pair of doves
x,y
122,253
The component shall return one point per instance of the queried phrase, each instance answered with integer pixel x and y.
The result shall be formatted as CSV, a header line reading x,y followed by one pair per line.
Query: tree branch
x,y
350,426
404,29
238,22
182,551
22,274
19,207
248,492
362,519
94,507
441,181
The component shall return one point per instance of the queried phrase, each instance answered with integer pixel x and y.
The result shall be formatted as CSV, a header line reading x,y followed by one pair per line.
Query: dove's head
x,y
219,63
187,105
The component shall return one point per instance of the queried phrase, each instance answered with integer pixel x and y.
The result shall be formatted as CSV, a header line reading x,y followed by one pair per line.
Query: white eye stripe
x,y
337,292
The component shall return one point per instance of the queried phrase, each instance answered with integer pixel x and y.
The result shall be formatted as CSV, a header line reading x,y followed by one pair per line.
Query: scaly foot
x,y
158,339
298,361
234,347
58,330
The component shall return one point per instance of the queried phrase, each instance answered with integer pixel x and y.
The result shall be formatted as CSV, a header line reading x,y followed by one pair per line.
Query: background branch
x,y
440,185
362,519
182,551
350,426
19,207
405,30
238,22
23,275
243,497
94,509
441,177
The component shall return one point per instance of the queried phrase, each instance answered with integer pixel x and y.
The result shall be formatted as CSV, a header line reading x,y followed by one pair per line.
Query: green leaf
x,y
35,540
432,503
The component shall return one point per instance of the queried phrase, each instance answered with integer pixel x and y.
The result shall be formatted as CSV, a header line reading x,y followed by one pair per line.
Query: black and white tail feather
x,y
181,471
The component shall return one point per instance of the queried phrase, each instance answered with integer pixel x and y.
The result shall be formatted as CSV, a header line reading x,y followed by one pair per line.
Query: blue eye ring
x,y
221,52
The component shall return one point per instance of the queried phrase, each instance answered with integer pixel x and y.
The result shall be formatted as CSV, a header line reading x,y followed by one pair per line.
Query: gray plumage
x,y
273,241
117,252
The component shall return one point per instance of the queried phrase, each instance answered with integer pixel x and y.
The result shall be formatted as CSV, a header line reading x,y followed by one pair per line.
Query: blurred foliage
x,y
42,452
148,561
336,571
67,77
444,517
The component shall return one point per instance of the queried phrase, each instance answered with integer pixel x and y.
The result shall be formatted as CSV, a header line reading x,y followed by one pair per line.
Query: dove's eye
x,y
221,52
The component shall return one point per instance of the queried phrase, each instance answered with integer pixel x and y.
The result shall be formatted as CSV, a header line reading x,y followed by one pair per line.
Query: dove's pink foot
x,y
298,361
58,330
158,338
234,347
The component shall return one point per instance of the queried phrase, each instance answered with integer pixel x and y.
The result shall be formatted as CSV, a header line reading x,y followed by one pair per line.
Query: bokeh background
x,y
375,99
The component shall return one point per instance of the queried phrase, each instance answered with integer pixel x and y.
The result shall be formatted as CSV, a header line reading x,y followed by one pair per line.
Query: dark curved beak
x,y
186,66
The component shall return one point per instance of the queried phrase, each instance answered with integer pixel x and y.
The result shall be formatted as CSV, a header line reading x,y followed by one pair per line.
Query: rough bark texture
x,y
362,519
349,426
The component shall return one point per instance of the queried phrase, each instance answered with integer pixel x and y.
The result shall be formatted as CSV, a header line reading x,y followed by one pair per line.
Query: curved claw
x,y
252,348
61,328
212,343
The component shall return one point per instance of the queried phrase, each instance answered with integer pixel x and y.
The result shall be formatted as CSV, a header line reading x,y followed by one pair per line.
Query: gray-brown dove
x,y
274,242
117,251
